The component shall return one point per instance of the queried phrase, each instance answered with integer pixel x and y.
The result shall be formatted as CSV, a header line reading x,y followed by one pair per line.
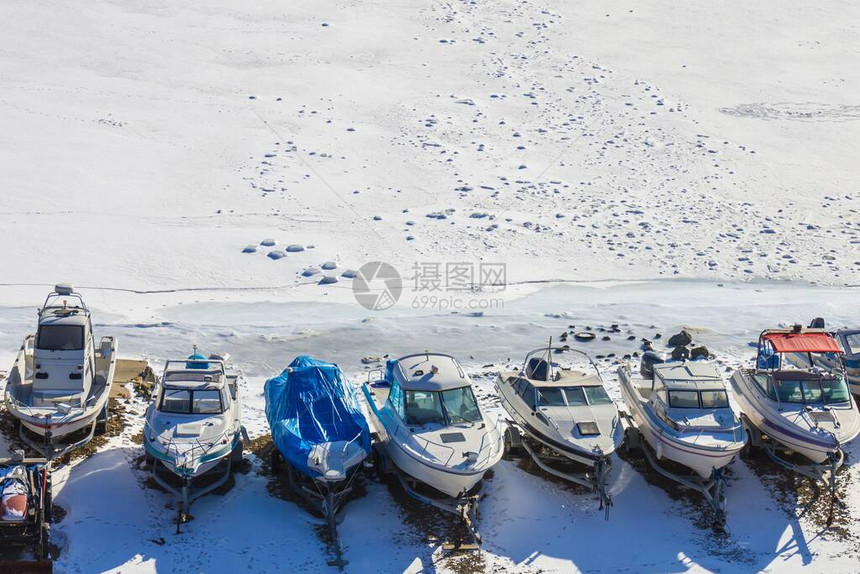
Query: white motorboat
x,y
682,410
430,427
59,385
566,414
790,403
193,426
801,406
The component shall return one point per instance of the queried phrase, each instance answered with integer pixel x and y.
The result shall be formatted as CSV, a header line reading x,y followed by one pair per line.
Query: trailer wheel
x,y
751,447
236,455
275,460
101,421
381,465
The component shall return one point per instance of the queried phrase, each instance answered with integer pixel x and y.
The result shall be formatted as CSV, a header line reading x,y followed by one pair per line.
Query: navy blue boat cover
x,y
311,403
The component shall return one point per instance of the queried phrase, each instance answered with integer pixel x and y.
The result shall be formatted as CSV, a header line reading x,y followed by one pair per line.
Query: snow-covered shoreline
x,y
268,534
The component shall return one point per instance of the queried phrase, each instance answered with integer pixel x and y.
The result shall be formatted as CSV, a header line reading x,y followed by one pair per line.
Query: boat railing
x,y
195,448
52,301
489,439
65,411
352,440
737,430
425,444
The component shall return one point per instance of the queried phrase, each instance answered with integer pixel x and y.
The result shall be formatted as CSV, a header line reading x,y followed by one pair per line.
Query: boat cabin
x,y
64,350
195,386
688,385
543,383
788,367
431,388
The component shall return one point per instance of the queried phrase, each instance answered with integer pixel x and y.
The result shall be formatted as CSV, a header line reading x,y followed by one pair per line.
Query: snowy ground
x,y
145,145
530,524
582,140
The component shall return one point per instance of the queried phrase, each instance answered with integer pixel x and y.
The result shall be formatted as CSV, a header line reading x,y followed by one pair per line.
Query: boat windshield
x,y
805,391
852,341
423,407
572,396
442,407
61,338
461,405
715,399
197,402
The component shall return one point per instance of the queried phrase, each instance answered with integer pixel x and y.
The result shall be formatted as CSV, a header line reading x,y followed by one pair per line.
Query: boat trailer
x,y
465,506
325,499
713,488
186,492
817,472
594,479
50,449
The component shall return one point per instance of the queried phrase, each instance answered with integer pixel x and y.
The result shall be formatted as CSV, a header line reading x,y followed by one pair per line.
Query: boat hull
x,y
566,450
190,471
812,445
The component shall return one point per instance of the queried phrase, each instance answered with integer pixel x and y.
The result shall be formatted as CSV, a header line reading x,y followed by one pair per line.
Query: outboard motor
x,y
646,365
817,323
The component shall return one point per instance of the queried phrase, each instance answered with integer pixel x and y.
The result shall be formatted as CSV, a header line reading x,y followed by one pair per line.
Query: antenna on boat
x,y
549,360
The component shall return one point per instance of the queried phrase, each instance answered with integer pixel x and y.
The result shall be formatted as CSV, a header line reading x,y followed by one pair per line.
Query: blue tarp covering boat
x,y
315,418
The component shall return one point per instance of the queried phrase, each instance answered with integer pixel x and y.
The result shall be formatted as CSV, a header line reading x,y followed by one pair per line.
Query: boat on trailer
x,y
563,418
432,434
790,403
59,385
682,411
193,434
26,511
319,429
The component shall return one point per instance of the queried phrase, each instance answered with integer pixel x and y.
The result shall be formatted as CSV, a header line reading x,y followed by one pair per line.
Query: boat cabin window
x,y
834,390
395,396
852,342
596,396
684,399
423,407
575,396
61,338
803,391
789,391
551,397
460,405
572,396
714,399
526,391
197,402
809,391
